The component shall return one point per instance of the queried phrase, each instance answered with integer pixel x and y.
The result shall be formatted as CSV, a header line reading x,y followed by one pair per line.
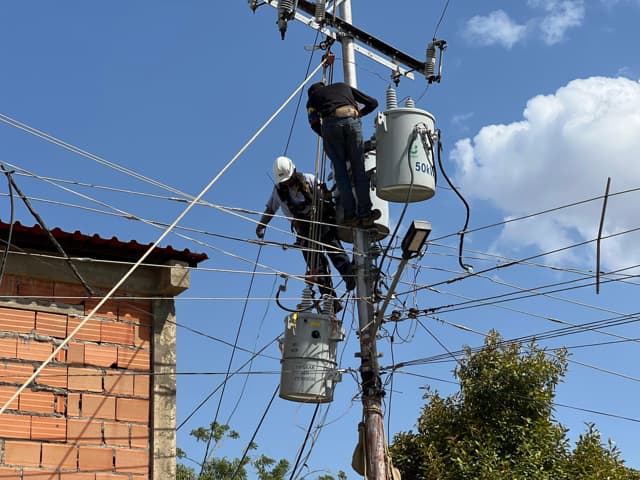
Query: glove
x,y
260,231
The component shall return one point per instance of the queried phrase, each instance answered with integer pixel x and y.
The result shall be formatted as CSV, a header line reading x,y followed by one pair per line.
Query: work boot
x,y
349,221
369,219
350,283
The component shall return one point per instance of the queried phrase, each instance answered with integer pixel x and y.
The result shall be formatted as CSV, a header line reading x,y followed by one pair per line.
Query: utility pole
x,y
372,391
340,28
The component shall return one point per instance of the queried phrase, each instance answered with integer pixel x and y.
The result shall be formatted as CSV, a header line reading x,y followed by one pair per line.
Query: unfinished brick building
x,y
104,408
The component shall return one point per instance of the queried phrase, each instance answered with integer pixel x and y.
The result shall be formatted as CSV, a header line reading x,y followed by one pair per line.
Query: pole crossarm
x,y
366,38
396,60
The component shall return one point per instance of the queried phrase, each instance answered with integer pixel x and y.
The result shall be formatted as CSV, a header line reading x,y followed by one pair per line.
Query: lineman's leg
x,y
339,258
317,264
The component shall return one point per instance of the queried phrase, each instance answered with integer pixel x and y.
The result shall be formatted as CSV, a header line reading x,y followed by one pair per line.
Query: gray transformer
x,y
309,373
405,165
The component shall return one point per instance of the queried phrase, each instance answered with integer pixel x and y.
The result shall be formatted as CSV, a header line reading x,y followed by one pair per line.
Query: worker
x,y
295,193
334,114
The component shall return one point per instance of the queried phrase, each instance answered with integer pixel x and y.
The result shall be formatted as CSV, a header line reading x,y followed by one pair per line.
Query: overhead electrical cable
x,y
218,340
295,114
444,11
541,212
150,249
536,337
50,236
213,392
158,225
517,262
72,148
513,296
234,211
491,257
544,317
304,443
555,403
233,353
240,394
5,255
131,216
255,433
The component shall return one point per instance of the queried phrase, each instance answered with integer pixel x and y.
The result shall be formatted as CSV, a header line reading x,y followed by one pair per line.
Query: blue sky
x,y
538,106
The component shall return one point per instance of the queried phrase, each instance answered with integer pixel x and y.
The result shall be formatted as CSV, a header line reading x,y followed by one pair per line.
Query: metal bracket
x,y
343,29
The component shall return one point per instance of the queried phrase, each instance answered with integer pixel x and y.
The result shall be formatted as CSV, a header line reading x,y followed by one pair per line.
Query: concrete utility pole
x,y
372,391
340,28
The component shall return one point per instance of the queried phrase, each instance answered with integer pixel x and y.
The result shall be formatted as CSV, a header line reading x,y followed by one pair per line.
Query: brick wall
x,y
87,415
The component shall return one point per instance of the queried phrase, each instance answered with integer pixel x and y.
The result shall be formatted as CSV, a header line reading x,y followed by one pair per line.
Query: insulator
x,y
306,301
409,103
430,65
286,9
327,304
320,10
392,101
253,5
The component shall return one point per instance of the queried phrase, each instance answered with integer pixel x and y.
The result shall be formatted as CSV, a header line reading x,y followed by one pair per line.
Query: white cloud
x,y
495,28
628,72
498,28
561,15
562,151
460,120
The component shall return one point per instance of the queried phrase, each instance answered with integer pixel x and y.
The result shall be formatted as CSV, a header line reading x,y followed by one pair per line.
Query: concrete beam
x,y
162,280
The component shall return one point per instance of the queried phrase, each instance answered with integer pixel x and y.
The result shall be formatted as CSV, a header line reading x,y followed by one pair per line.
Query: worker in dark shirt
x,y
334,114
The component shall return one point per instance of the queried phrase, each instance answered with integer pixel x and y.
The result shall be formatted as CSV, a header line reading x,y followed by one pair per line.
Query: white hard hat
x,y
283,169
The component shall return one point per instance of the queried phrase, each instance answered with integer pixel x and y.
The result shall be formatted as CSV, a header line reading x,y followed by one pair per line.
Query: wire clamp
x,y
328,59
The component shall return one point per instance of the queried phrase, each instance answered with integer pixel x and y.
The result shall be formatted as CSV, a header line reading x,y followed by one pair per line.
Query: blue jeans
x,y
342,139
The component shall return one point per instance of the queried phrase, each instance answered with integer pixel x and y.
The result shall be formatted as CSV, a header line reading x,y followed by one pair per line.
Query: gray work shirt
x,y
274,202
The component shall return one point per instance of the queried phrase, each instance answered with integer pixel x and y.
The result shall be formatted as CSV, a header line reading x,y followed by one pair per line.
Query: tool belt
x,y
343,112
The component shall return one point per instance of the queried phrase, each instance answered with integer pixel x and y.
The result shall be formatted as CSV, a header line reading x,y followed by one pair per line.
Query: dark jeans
x,y
342,138
317,261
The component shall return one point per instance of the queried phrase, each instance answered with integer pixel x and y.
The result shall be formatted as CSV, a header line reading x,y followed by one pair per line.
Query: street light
x,y
412,243
415,238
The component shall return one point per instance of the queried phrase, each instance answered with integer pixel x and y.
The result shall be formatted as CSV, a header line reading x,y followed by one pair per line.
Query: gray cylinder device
x,y
309,372
405,167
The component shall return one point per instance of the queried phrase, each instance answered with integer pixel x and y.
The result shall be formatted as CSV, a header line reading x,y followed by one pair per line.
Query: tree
x,y
591,460
217,468
499,425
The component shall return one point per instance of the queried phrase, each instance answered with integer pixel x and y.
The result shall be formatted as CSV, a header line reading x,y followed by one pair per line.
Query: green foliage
x,y
591,460
218,468
499,425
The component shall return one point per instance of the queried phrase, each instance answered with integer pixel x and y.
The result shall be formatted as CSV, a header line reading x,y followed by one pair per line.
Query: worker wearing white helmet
x,y
294,193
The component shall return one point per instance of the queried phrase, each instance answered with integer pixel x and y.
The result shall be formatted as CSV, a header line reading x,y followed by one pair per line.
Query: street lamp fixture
x,y
415,238
412,243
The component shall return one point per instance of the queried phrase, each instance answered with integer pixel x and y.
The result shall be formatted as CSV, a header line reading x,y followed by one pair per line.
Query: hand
x,y
260,231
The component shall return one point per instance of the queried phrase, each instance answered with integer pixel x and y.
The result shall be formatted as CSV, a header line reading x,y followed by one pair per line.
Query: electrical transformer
x,y
309,351
405,169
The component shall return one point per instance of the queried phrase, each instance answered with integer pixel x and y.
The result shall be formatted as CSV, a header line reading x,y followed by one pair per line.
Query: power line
x,y
233,352
541,212
213,392
250,443
520,261
52,239
166,232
